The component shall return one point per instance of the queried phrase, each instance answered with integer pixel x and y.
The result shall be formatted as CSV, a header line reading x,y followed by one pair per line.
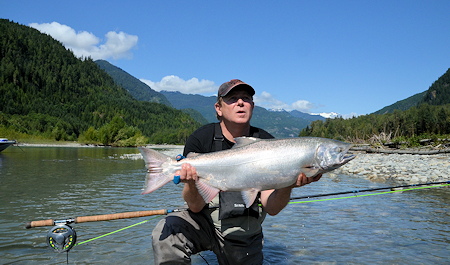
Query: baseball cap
x,y
226,87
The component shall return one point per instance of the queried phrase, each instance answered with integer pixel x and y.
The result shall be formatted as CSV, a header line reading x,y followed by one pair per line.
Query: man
x,y
224,226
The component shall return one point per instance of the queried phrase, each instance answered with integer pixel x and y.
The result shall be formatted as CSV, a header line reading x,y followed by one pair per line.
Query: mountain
x,y
142,91
403,104
280,124
202,104
306,116
437,94
134,86
46,91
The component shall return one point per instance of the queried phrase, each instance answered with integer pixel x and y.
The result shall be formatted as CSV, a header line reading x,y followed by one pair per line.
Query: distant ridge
x,y
280,124
134,86
404,104
437,94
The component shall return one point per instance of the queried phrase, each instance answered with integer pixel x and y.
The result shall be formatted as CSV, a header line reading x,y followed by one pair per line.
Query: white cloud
x,y
303,105
266,100
117,44
175,83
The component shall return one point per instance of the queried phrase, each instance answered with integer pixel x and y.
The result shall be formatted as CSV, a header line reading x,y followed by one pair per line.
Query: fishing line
x,y
371,194
119,230
373,189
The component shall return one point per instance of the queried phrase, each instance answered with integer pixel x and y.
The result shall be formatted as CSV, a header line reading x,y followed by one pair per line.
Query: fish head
x,y
331,155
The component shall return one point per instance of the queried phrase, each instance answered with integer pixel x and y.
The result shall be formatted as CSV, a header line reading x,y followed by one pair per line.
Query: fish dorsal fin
x,y
206,191
249,196
243,141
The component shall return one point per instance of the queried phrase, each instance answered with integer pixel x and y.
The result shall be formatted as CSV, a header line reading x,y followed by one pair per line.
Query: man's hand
x,y
188,173
303,180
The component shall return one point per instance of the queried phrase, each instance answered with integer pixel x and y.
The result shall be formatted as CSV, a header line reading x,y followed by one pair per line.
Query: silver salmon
x,y
252,165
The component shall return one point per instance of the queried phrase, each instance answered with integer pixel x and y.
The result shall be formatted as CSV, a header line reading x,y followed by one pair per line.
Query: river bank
x,y
406,168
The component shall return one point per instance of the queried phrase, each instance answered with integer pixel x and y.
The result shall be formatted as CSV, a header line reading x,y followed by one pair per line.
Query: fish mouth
x,y
346,155
347,158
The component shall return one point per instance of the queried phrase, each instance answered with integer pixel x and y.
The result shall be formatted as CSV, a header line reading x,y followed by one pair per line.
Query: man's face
x,y
236,107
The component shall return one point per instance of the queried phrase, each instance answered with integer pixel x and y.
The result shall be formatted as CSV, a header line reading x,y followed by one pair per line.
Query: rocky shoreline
x,y
404,168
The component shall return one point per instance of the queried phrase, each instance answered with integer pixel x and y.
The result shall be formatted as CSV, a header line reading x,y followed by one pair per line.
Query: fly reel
x,y
61,238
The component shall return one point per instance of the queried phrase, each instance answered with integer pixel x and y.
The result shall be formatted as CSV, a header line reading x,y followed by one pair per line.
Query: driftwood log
x,y
399,151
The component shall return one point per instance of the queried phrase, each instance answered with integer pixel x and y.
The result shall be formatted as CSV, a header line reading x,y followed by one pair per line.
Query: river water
x,y
36,183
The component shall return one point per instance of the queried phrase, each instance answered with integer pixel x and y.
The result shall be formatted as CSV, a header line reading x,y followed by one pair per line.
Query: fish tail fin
x,y
156,178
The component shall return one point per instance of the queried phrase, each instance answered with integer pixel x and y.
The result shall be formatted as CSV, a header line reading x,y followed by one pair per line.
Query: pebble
x,y
405,168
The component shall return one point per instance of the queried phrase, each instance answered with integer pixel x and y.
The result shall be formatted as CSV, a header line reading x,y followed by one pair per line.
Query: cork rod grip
x,y
96,218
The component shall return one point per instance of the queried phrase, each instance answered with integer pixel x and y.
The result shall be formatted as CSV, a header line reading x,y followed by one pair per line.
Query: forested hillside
x,y
404,104
429,118
46,91
134,86
437,94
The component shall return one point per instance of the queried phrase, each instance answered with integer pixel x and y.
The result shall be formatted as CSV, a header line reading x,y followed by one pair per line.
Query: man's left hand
x,y
303,180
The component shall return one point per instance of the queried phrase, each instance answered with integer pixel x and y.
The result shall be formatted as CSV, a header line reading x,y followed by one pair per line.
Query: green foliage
x,y
114,133
46,91
424,121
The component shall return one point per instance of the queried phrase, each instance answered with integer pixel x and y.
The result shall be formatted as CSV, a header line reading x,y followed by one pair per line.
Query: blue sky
x,y
348,57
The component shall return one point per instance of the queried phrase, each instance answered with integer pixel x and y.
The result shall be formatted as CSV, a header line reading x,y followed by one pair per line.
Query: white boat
x,y
4,143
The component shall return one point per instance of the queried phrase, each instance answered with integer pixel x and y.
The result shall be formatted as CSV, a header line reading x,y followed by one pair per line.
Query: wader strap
x,y
256,133
231,202
218,137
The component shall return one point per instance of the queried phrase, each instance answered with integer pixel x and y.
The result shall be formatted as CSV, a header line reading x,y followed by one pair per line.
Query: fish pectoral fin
x,y
249,196
310,171
206,191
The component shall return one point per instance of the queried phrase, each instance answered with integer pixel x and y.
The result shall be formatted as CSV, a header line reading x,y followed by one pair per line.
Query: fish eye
x,y
339,149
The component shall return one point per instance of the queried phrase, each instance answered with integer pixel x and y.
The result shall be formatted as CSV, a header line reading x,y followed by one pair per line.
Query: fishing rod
x,y
368,190
96,218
